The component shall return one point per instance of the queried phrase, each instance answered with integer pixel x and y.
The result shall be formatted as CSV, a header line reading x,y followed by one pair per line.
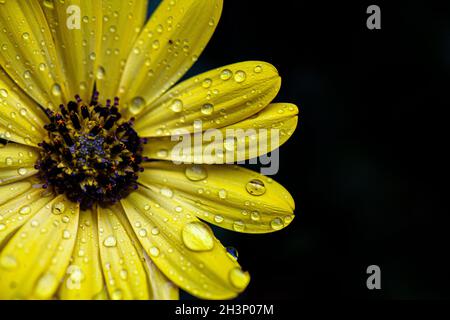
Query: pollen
x,y
90,154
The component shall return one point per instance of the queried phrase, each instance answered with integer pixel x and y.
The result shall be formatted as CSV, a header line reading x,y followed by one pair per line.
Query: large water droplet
x,y
232,253
176,105
226,74
154,251
207,83
239,226
207,109
117,295
110,241
197,237
137,104
56,90
256,187
240,76
46,285
8,161
277,224
196,173
238,278
222,194
8,262
166,192
25,210
255,216
58,208
22,171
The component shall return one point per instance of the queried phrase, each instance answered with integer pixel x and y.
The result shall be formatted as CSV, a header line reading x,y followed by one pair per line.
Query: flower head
x,y
95,202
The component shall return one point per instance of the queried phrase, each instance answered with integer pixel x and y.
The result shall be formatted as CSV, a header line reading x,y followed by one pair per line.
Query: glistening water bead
x,y
91,154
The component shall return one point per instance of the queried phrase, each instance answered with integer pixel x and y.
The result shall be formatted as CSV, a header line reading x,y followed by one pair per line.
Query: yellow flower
x,y
83,213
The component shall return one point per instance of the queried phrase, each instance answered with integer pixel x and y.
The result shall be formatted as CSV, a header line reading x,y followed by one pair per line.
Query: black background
x,y
367,165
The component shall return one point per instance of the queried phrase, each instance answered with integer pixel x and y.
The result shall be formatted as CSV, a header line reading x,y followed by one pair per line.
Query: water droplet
x,y
110,241
207,109
137,104
232,253
155,231
255,216
22,171
27,74
226,74
100,74
117,295
92,56
2,226
46,285
222,194
8,262
176,105
58,208
207,83
197,237
25,210
256,187
8,161
142,233
155,44
218,219
196,173
239,226
123,274
240,76
154,251
26,36
56,90
66,234
277,224
4,93
166,192
288,219
258,69
238,278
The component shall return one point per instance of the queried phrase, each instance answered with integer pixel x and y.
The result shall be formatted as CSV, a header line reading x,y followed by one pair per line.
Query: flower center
x,y
90,154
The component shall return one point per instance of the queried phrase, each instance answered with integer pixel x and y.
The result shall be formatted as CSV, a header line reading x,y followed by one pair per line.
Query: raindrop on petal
x,y
197,237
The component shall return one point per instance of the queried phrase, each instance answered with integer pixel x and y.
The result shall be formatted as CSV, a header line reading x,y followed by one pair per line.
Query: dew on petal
x,y
196,173
197,237
110,242
256,187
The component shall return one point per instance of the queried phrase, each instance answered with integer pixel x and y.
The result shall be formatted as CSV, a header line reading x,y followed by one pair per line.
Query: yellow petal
x,y
122,22
21,120
84,278
33,262
122,265
17,162
170,43
76,28
247,139
19,201
217,98
28,53
160,286
183,248
228,196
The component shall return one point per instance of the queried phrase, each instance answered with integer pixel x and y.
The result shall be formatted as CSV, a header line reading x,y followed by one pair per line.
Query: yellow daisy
x,y
92,205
